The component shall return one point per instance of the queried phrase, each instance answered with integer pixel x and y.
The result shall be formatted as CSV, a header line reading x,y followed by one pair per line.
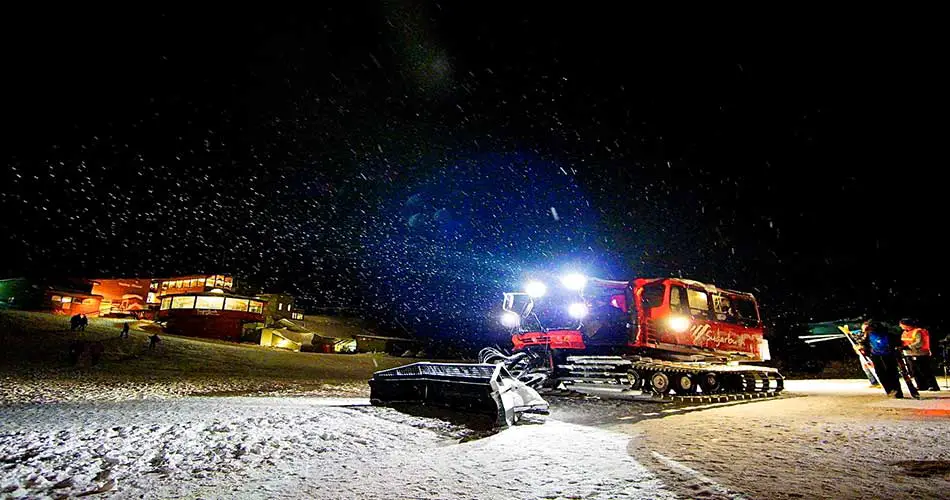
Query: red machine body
x,y
671,318
665,337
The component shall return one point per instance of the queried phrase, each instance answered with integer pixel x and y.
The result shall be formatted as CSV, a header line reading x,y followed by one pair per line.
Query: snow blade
x,y
480,388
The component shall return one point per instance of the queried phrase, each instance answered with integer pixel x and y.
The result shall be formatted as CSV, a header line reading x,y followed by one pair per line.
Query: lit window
x,y
56,298
209,281
67,300
179,284
232,304
288,307
151,298
166,303
698,302
164,285
256,307
187,302
678,301
207,302
280,307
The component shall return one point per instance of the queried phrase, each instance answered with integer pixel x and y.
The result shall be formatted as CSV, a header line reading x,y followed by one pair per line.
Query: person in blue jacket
x,y
882,345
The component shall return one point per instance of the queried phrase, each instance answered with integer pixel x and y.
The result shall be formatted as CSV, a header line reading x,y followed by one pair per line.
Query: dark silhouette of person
x,y
125,331
881,346
153,341
74,322
83,321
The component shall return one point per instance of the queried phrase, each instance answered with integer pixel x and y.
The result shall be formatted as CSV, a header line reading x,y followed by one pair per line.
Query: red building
x,y
211,314
123,296
72,303
68,297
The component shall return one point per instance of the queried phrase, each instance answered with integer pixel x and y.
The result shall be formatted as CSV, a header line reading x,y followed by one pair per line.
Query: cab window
x,y
725,311
698,303
652,295
678,301
746,311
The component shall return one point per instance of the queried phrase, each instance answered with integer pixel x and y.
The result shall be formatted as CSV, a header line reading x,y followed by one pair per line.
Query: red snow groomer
x,y
665,338
658,335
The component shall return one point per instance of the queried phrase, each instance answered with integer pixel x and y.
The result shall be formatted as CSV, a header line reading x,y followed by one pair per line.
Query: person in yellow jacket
x,y
916,342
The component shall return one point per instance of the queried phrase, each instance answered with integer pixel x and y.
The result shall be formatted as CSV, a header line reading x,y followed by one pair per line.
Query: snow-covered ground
x,y
78,386
824,439
830,439
301,448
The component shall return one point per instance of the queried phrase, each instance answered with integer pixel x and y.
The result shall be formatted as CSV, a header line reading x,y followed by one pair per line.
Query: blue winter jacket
x,y
881,342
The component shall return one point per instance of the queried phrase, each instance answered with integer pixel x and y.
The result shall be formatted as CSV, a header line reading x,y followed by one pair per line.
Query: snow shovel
x,y
478,388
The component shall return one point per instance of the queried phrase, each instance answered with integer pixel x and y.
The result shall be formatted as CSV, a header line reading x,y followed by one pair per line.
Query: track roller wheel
x,y
634,379
660,383
709,382
683,384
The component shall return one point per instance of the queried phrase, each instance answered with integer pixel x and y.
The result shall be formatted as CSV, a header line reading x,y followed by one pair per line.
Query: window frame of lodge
x,y
232,300
250,305
179,301
207,299
170,285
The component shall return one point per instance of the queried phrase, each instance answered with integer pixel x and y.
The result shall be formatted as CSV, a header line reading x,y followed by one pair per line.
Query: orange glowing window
x,y
206,302
232,304
187,302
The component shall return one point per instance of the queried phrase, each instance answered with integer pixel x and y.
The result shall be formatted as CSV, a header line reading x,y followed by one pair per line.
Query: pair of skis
x,y
906,375
866,363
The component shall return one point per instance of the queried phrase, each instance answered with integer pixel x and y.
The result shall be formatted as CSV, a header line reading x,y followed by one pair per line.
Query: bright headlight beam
x,y
535,289
510,319
577,310
574,281
678,323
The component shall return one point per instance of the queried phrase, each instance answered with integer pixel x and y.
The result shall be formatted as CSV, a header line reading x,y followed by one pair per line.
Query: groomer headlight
x,y
577,310
574,281
678,324
535,289
510,319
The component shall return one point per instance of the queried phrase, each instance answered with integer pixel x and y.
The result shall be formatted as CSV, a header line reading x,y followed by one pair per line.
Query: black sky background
x,y
402,158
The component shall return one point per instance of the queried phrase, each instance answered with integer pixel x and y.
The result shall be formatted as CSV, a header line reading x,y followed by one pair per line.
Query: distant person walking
x,y
74,322
916,346
83,321
881,346
125,331
153,341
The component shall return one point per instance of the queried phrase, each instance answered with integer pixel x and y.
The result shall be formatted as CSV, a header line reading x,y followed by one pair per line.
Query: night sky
x,y
412,160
